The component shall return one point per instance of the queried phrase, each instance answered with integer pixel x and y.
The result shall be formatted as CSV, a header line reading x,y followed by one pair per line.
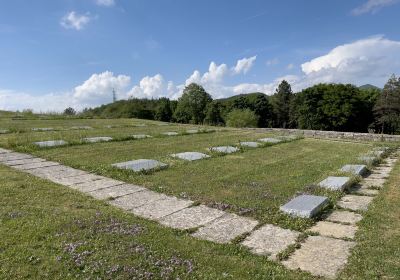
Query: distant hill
x,y
369,86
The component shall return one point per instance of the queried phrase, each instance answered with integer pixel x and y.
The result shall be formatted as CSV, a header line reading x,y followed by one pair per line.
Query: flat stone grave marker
x,y
224,149
335,183
191,217
368,159
192,131
321,256
140,136
270,140
137,199
378,153
42,129
356,169
190,156
170,133
82,127
249,144
355,202
4,131
305,206
23,161
97,139
225,228
141,165
344,217
270,240
140,125
51,143
116,191
335,230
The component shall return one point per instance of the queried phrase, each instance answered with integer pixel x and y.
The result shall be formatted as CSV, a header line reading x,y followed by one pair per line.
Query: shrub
x,y
242,118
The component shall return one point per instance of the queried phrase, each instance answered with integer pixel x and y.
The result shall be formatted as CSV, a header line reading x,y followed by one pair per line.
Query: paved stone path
x,y
322,255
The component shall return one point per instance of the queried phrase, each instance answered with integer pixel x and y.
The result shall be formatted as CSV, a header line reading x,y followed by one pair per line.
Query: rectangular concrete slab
x,y
23,161
96,185
224,149
170,133
225,228
374,183
137,199
305,206
73,180
344,217
116,191
140,136
52,143
368,159
191,217
84,127
97,139
270,240
55,172
35,165
192,131
4,151
13,156
355,169
249,144
270,140
190,156
335,230
335,183
4,131
141,165
161,208
363,190
321,256
42,129
355,202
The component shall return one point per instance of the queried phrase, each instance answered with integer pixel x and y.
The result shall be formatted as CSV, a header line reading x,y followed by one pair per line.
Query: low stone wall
x,y
338,134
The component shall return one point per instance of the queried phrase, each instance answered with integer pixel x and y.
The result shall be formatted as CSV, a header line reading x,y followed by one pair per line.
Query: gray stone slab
x,y
192,131
378,154
355,169
23,161
140,136
224,149
42,129
116,191
140,125
335,230
56,172
225,228
305,206
170,133
270,140
191,217
335,183
249,144
368,159
270,240
321,256
51,143
73,180
96,185
374,175
4,151
35,165
355,202
141,165
4,131
97,139
363,190
157,209
84,127
374,183
190,156
137,199
344,217
13,156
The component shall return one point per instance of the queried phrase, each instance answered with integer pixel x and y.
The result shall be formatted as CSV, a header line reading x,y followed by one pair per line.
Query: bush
x,y
242,118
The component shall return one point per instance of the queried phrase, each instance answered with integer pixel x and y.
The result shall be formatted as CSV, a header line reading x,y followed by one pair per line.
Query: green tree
x,y
387,108
192,104
242,118
69,111
163,111
214,114
263,109
281,104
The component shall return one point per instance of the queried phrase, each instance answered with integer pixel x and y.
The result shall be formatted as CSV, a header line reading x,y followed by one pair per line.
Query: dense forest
x,y
340,107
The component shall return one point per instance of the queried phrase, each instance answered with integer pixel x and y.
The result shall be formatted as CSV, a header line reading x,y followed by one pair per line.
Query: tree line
x,y
340,107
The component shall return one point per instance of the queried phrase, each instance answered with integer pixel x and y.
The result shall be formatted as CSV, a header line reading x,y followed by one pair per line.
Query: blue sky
x,y
58,53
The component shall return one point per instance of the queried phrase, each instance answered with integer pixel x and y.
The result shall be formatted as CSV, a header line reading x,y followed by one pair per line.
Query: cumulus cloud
x,y
373,6
153,87
73,20
106,3
244,65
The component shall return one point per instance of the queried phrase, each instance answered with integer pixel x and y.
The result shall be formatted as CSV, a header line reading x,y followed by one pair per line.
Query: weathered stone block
x,y
305,206
224,149
334,230
249,144
335,183
97,139
345,217
190,156
141,165
52,143
355,169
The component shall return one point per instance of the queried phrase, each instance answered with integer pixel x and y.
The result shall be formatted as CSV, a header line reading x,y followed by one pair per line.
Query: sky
x,y
60,53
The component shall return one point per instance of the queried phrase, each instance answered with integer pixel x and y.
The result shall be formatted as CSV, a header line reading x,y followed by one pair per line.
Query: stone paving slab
x,y
270,240
192,131
4,151
73,180
35,165
321,256
191,217
355,202
57,171
363,190
270,140
249,144
96,185
137,199
140,136
42,129
335,183
345,217
97,139
161,208
225,228
170,133
13,156
224,149
23,161
305,206
140,165
355,169
377,176
335,230
190,156
376,183
4,131
52,143
85,127
116,191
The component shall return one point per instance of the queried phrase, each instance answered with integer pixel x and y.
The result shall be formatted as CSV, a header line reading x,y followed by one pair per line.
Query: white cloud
x,y
153,87
373,6
106,3
73,20
244,65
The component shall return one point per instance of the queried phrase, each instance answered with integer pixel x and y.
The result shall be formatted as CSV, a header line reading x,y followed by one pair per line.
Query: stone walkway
x,y
322,255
